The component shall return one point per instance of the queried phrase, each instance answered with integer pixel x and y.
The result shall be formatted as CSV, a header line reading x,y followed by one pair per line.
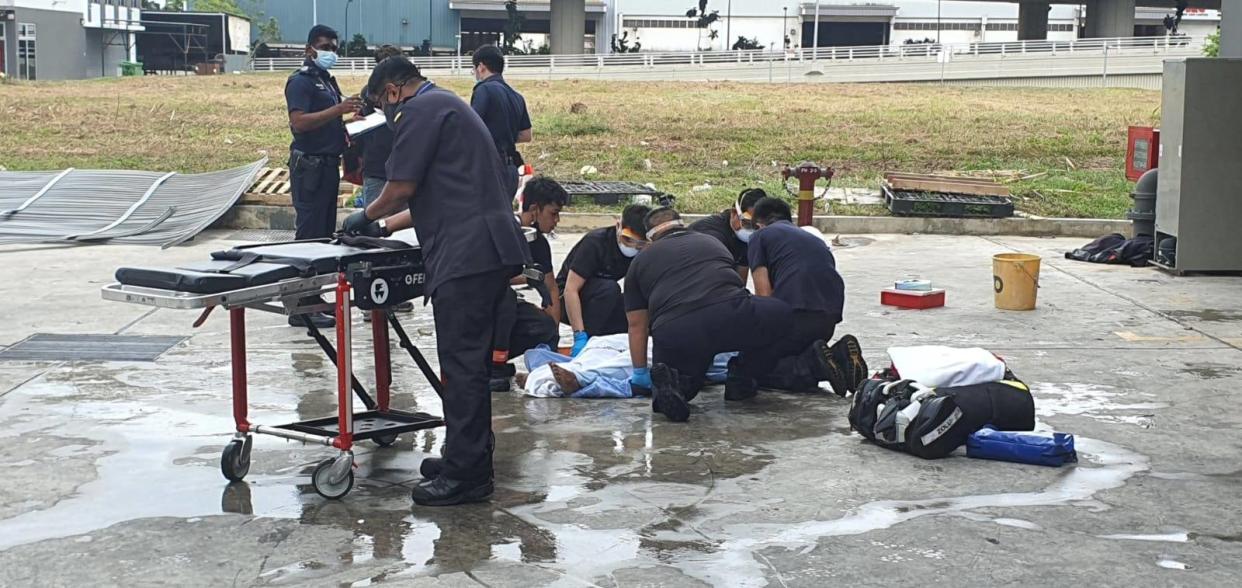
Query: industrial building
x,y
67,39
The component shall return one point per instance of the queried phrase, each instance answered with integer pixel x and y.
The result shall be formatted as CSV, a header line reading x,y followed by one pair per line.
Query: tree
x,y
269,32
622,44
744,44
1211,45
225,6
513,27
357,47
704,21
169,5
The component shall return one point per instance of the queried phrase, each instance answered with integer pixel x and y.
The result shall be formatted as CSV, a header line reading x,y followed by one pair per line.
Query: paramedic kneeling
x,y
444,168
685,291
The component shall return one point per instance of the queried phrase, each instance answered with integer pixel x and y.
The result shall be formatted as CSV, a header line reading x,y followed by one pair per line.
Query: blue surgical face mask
x,y
325,59
743,235
627,251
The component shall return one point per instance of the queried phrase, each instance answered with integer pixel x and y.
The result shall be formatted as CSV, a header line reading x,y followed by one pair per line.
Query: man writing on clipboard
x,y
445,173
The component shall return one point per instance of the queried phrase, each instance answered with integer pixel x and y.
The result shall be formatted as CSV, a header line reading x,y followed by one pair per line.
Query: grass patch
x,y
1069,144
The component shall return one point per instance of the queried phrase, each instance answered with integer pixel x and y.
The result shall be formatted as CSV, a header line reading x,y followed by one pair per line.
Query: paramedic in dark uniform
x,y
502,109
733,227
685,293
528,325
791,264
446,172
315,108
589,276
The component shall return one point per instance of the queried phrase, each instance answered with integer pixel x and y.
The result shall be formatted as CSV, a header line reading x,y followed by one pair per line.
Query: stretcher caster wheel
x,y
385,440
328,481
235,461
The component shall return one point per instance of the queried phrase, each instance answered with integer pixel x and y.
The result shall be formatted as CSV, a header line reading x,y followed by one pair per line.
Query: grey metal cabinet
x,y
1199,199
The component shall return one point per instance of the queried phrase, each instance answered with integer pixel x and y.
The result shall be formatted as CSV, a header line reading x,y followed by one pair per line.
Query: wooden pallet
x,y
271,180
945,184
272,187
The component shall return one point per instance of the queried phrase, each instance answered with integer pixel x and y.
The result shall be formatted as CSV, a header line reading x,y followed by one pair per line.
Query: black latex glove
x,y
357,223
544,294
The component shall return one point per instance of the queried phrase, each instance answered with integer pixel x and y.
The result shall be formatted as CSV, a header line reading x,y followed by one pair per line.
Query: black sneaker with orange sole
x,y
848,354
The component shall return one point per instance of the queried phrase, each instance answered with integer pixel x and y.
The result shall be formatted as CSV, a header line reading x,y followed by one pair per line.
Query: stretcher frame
x,y
380,423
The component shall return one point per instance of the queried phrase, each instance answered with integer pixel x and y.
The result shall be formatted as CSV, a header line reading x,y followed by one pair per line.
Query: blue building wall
x,y
399,22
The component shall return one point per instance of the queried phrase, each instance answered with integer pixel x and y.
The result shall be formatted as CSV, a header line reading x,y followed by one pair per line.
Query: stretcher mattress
x,y
257,265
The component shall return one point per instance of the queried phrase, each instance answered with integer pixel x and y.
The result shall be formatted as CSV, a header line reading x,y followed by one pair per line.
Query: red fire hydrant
x,y
807,173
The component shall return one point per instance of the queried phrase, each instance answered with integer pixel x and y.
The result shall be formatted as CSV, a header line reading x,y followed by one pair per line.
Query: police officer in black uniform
x,y
502,109
315,107
445,170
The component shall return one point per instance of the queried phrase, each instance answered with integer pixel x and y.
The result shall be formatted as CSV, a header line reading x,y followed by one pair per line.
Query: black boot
x,y
827,368
666,391
441,491
848,354
739,386
501,374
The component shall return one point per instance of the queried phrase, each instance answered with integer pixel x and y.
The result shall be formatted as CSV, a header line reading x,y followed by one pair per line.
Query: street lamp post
x,y
938,25
729,24
345,53
784,27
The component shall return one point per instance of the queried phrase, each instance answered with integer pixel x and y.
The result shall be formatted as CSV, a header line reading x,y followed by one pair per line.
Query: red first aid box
x,y
912,298
1142,151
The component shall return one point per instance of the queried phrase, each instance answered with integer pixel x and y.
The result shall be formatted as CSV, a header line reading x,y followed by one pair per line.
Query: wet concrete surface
x,y
113,474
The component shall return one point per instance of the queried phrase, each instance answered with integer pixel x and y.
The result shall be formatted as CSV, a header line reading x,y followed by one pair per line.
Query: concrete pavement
x,y
112,473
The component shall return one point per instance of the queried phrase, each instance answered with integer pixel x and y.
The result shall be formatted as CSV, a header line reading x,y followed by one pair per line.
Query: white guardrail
x,y
1129,55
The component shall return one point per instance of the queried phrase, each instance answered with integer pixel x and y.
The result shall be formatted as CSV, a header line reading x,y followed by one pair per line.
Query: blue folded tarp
x,y
1030,448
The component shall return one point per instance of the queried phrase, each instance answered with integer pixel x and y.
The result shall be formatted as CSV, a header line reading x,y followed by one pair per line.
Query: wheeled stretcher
x,y
289,278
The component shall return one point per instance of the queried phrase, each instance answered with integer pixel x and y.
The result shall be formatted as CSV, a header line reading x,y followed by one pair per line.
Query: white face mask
x,y
743,235
627,251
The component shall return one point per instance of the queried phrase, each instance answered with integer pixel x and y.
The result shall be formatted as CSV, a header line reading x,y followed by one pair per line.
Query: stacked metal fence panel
x,y
116,206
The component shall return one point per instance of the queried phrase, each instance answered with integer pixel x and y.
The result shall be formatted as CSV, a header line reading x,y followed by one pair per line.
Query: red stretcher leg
x,y
237,348
344,367
383,361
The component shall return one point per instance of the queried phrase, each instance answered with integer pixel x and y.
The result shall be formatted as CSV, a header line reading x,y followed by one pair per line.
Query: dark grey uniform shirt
x,y
680,273
462,214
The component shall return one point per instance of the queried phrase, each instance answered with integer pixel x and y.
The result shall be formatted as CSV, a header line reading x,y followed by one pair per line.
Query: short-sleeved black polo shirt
x,y
680,273
503,110
800,266
461,211
310,90
595,255
541,253
717,225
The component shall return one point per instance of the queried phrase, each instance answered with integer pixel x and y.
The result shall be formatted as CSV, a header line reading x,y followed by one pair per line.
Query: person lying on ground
x,y
602,370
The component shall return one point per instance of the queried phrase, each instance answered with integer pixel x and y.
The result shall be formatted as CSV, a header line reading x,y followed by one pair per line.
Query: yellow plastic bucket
x,y
1015,278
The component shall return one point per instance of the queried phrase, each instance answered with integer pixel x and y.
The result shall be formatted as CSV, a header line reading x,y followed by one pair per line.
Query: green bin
x,y
131,68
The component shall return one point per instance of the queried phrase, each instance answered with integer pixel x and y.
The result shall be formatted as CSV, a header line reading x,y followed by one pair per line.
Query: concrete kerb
x,y
282,217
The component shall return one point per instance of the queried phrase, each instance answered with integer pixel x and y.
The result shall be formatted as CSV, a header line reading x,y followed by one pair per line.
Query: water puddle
x,y
1102,403
1169,564
1178,537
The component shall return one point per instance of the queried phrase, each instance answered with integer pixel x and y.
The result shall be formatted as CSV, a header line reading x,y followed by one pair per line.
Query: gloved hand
x,y
641,378
545,295
580,341
357,223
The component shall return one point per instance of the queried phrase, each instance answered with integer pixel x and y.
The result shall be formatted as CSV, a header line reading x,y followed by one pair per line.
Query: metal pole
x,y
815,35
729,24
785,29
345,53
315,12
938,22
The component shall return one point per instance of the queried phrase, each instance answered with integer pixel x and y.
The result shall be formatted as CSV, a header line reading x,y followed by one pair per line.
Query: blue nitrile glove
x,y
580,341
641,377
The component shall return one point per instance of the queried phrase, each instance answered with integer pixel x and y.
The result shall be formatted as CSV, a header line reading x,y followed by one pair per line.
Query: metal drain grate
x,y
263,235
49,347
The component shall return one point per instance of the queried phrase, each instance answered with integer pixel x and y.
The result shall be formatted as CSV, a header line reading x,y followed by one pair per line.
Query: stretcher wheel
x,y
385,440
235,461
324,487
